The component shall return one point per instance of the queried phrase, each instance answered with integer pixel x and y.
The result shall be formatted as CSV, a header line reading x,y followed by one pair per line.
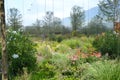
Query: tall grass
x,y
106,70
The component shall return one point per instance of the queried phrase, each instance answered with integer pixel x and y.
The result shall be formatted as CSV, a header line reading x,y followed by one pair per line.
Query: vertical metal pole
x,y
3,33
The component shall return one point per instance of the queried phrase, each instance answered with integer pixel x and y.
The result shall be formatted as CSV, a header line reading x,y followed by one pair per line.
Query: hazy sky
x,y
35,9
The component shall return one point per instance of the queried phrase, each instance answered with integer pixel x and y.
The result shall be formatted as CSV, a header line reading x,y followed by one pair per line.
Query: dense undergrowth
x,y
76,58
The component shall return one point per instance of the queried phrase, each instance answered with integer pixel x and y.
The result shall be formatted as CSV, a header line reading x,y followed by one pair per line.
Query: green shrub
x,y
74,33
64,69
60,61
108,43
21,53
52,37
24,76
84,43
46,51
57,38
89,59
72,43
61,48
46,70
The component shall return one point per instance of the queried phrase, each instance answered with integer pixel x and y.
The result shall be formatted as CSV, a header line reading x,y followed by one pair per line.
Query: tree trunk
x,y
4,54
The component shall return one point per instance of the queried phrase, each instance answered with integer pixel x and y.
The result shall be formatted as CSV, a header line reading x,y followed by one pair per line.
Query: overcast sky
x,y
35,9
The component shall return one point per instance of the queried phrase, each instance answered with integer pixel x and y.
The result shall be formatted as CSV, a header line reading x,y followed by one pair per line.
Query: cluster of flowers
x,y
80,54
9,31
116,33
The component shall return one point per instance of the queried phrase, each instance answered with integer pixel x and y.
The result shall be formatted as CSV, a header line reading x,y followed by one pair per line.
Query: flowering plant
x,y
109,43
21,52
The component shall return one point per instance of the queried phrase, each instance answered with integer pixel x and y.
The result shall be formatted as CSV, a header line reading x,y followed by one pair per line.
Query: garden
x,y
60,40
63,58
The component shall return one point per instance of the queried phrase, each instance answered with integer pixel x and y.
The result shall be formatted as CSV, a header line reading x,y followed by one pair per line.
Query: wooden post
x,y
117,27
3,33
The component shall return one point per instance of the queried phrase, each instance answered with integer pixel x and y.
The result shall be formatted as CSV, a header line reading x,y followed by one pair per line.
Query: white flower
x,y
114,32
20,30
117,33
14,32
15,56
10,38
8,30
7,42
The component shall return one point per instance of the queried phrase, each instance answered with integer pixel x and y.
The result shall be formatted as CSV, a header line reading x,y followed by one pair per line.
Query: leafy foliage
x,y
109,9
77,18
21,52
57,38
108,43
14,19
77,62
95,26
72,43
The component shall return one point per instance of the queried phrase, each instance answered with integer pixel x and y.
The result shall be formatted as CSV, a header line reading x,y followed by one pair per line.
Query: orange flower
x,y
97,54
84,55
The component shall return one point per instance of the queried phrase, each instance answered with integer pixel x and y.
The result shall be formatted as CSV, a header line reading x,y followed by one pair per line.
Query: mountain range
x,y
89,14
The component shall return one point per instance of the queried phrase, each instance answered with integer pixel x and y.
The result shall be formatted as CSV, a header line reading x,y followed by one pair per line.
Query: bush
x,y
46,51
52,37
72,43
108,43
61,48
57,38
61,61
21,53
84,43
45,71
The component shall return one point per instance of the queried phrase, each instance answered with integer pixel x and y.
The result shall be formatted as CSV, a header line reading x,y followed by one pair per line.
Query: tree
x,y
57,27
3,41
95,26
52,24
48,20
38,27
110,9
77,17
14,19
